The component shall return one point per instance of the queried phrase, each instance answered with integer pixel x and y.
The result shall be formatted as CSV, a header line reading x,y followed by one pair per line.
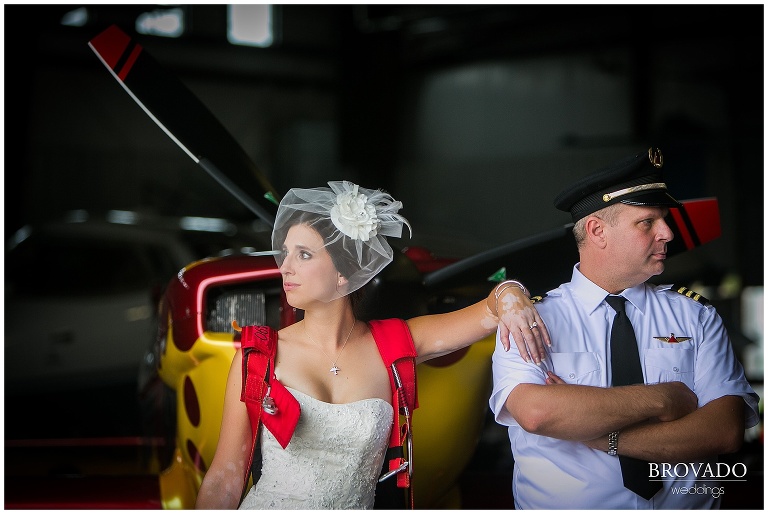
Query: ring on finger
x,y
534,325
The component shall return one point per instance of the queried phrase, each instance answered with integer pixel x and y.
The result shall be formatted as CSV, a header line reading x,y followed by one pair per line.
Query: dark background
x,y
475,116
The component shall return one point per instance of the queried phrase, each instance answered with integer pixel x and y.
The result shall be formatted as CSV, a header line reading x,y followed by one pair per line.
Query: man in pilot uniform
x,y
640,390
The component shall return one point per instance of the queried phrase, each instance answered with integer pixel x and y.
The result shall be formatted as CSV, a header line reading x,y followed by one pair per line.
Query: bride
x,y
331,242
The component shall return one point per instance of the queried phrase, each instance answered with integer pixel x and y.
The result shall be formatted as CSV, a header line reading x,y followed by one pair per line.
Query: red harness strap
x,y
398,352
259,345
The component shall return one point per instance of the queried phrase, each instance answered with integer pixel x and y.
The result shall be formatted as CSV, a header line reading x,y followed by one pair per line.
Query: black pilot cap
x,y
635,180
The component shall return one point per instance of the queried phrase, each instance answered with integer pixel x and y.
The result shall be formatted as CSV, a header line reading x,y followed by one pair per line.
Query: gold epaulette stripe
x,y
693,295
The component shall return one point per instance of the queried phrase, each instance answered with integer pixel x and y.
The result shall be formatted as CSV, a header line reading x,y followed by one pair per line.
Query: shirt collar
x,y
591,295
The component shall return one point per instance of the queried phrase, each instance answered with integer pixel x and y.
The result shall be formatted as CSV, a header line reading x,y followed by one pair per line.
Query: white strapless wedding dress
x,y
332,462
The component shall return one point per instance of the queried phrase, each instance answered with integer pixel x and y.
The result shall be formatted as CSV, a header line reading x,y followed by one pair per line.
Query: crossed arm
x,y
658,422
714,429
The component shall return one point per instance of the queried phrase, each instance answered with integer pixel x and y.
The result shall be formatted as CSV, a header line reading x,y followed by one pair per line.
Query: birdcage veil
x,y
353,221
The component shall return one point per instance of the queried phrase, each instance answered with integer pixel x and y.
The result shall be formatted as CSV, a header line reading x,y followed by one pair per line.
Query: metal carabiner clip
x,y
268,403
393,472
407,414
406,464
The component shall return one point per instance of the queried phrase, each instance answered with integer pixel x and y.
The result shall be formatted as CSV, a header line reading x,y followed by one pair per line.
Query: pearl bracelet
x,y
508,283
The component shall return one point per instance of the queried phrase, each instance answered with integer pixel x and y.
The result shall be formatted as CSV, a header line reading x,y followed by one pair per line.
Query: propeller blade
x,y
540,261
181,115
545,260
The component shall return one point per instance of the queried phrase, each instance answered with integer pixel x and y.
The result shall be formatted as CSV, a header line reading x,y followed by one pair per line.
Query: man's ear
x,y
595,228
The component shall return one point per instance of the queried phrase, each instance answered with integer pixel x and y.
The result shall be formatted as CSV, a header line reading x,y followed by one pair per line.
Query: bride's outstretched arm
x,y
507,307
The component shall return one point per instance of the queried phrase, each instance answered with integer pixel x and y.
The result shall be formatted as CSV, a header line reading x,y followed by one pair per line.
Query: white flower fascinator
x,y
353,221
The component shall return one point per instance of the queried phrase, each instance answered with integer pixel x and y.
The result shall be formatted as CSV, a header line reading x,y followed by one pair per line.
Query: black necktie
x,y
626,370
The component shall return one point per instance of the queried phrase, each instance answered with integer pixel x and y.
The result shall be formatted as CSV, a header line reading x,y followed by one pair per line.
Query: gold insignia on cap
x,y
672,338
655,157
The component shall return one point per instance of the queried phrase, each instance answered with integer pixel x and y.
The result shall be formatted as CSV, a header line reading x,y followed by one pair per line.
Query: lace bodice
x,y
332,461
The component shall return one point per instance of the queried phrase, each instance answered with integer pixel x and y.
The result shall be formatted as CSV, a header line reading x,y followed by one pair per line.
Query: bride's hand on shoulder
x,y
519,321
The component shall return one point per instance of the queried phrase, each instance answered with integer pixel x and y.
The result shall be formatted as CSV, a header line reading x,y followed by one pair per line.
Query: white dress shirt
x,y
679,339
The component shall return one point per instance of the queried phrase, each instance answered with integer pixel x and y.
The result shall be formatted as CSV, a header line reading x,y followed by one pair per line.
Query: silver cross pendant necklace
x,y
334,369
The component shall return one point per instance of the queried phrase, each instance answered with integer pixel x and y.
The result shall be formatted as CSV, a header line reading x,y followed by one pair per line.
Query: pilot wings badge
x,y
672,338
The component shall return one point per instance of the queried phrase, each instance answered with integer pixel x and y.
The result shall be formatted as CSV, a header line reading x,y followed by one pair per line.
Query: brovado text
x,y
700,470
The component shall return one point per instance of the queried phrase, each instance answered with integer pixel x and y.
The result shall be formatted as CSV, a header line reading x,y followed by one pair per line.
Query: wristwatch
x,y
613,443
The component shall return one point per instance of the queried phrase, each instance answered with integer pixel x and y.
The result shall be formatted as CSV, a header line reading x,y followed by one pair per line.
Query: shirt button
x,y
676,369
572,375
